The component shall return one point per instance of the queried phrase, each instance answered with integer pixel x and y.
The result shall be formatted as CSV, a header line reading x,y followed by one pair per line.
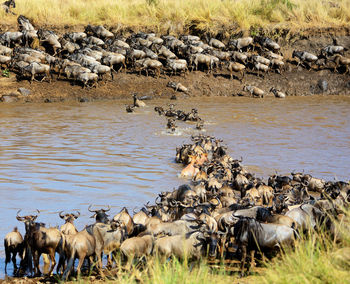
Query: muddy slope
x,y
294,81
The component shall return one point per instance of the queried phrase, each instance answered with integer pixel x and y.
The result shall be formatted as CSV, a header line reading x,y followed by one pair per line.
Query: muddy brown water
x,y
66,156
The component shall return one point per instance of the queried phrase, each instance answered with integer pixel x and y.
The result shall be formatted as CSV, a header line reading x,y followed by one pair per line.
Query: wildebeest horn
x,y
19,218
158,203
76,216
184,205
109,208
36,216
223,233
61,215
91,210
219,202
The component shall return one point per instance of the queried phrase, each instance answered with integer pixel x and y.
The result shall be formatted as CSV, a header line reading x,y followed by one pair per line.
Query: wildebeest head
x,y
69,218
28,220
100,215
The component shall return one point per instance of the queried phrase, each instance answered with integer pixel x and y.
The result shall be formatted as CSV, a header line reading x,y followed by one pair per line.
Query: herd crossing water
x,y
67,156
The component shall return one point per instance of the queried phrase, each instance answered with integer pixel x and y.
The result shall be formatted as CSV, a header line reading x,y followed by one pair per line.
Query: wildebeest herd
x,y
224,212
86,57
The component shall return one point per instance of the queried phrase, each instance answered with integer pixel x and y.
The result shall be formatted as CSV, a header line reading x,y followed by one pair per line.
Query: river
x,y
66,156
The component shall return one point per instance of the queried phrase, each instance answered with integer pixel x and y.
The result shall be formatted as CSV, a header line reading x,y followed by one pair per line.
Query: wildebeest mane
x,y
250,226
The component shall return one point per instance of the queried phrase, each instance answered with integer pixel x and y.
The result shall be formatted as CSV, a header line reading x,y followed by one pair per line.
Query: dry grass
x,y
179,15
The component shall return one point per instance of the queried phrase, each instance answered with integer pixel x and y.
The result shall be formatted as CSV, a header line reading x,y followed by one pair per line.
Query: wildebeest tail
x,y
7,252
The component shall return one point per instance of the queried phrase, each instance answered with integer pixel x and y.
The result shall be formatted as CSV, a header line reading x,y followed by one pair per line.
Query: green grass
x,y
317,259
177,16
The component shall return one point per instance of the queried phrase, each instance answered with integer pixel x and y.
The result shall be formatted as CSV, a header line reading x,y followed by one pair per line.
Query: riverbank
x,y
293,82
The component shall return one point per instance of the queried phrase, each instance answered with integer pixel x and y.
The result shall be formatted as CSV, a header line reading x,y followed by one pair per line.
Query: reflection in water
x,y
64,157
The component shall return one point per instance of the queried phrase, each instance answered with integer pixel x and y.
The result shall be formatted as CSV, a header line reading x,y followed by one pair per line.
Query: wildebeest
x,y
306,216
254,91
304,57
98,31
10,39
146,64
35,68
236,67
252,235
192,245
13,244
240,43
68,227
8,5
125,220
277,93
137,247
40,240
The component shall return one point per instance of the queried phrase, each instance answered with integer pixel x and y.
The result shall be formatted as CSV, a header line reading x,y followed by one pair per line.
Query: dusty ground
x,y
295,81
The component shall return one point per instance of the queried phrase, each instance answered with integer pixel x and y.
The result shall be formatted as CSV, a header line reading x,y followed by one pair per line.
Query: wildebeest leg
x,y
252,259
14,263
110,261
36,257
99,263
243,259
7,258
61,263
31,78
221,247
81,261
53,260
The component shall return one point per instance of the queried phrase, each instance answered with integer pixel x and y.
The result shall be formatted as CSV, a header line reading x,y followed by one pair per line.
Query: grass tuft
x,y
180,15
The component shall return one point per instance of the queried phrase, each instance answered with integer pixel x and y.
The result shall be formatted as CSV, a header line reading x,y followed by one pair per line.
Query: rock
x,y
83,100
24,92
173,97
9,98
47,100
146,97
322,85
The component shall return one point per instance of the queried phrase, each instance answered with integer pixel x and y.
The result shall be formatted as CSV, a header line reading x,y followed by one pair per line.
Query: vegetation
x,y
5,73
176,16
317,259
